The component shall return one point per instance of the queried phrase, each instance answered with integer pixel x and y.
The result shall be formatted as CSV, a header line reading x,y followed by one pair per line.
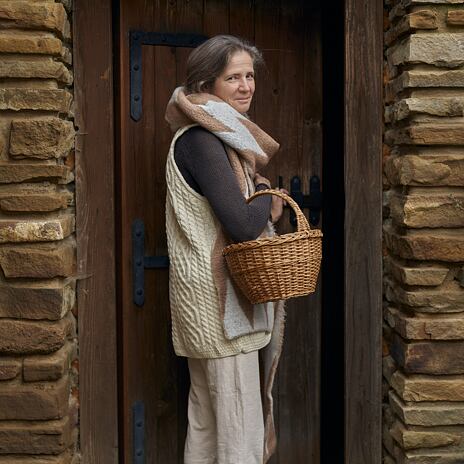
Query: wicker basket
x,y
279,267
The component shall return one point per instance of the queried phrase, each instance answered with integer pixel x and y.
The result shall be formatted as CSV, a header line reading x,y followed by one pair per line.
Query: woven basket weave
x,y
279,267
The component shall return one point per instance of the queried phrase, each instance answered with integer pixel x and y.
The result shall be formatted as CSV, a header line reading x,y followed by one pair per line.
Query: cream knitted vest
x,y
197,329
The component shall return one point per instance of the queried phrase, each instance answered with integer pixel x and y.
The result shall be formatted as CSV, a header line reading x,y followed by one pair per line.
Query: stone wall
x,y
38,367
424,232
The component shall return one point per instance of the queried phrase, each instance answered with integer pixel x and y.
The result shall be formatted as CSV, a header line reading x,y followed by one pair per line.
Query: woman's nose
x,y
244,85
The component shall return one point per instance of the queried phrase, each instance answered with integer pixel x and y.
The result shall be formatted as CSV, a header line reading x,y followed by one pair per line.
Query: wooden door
x,y
288,105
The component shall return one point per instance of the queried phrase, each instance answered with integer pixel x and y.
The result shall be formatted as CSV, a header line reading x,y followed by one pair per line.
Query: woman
x,y
211,168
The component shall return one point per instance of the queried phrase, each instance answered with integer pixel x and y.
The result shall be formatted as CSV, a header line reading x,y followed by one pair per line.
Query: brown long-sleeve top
x,y
202,160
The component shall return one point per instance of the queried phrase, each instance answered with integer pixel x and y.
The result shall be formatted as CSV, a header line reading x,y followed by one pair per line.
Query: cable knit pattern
x,y
191,228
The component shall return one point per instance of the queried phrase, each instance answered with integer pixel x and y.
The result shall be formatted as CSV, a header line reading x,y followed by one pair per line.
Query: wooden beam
x,y
96,293
363,230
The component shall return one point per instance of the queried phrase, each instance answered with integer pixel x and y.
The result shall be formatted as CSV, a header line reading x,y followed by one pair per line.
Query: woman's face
x,y
236,84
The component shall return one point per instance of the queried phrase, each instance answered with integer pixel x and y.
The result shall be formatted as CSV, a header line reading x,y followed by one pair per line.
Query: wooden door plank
x,y
164,15
136,344
299,372
96,294
264,111
242,24
216,17
271,83
189,15
177,381
311,133
283,105
241,19
313,80
363,226
170,430
189,19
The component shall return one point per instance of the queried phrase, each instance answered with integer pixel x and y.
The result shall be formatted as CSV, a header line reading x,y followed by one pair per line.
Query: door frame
x,y
363,230
95,230
96,239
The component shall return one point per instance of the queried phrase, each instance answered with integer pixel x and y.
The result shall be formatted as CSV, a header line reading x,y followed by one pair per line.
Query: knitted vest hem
x,y
223,350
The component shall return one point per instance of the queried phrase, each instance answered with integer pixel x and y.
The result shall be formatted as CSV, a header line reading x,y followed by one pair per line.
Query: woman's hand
x,y
277,206
259,179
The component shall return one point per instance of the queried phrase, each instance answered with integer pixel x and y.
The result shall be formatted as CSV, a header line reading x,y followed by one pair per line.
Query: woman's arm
x,y
203,162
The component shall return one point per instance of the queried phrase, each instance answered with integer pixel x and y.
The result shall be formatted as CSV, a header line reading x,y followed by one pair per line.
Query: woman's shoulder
x,y
198,136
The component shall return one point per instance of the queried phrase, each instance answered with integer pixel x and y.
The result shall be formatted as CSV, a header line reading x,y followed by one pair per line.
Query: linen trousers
x,y
225,415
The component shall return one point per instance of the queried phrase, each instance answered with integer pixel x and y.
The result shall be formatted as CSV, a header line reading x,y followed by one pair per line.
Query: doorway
x,y
289,105
100,101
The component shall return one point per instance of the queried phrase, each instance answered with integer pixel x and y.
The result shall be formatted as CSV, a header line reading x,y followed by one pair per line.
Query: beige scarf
x,y
249,149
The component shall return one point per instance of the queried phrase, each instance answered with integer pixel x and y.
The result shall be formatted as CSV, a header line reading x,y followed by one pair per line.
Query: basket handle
x,y
301,221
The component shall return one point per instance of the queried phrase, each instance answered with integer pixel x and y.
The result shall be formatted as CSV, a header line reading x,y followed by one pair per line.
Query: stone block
x,y
34,198
37,42
427,414
423,79
49,437
443,50
460,276
430,457
20,172
48,367
396,9
38,261
388,367
427,134
9,368
455,18
428,357
385,389
19,98
426,244
424,437
387,415
408,3
41,138
428,210
64,458
29,337
420,327
24,14
421,19
41,230
428,387
66,55
440,170
387,440
400,8
434,106
387,459
37,300
420,274
38,401
34,68
448,298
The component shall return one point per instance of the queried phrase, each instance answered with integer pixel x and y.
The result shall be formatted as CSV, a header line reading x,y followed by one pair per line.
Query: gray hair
x,y
206,62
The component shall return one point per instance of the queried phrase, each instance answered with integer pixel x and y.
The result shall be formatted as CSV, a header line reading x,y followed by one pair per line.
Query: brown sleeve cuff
x,y
262,186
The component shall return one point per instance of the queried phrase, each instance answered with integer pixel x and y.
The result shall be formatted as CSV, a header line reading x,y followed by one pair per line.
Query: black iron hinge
x,y
136,40
140,262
